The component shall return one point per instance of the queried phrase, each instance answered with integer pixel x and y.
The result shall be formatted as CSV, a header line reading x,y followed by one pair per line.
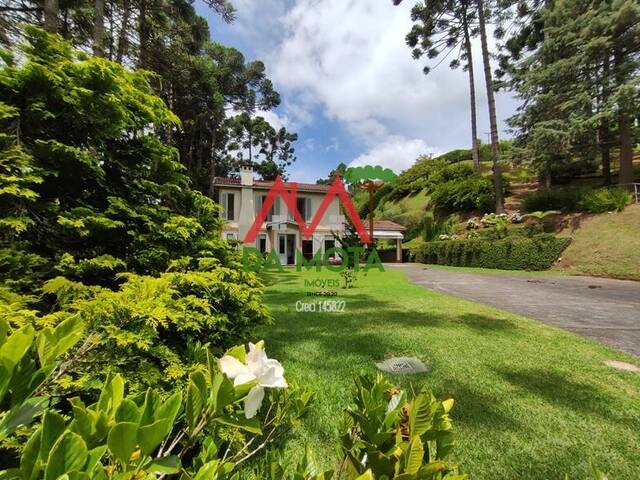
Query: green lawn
x,y
606,245
532,401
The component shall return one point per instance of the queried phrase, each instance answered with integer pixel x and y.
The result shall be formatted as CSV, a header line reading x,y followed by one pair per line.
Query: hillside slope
x,y
605,245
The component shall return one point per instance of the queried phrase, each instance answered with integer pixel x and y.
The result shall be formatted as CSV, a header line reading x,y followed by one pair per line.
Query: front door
x,y
291,249
307,249
282,248
287,248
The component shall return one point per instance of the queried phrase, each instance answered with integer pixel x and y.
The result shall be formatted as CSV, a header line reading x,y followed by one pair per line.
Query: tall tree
x,y
493,123
443,27
51,16
98,28
579,81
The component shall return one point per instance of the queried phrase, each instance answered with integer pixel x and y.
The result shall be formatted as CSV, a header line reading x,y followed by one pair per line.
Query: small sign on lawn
x,y
402,365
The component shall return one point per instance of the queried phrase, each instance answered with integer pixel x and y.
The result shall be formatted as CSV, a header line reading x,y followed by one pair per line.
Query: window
x,y
262,243
329,243
304,207
228,203
230,236
282,244
260,199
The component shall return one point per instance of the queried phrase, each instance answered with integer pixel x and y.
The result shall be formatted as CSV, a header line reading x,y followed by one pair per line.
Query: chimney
x,y
246,176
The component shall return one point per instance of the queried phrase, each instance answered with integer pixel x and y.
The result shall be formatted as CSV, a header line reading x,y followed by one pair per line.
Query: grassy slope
x,y
607,245
532,401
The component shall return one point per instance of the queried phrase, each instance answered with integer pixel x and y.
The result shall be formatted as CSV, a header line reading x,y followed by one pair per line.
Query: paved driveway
x,y
602,309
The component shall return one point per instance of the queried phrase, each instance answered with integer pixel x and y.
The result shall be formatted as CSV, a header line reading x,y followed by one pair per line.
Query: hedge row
x,y
537,253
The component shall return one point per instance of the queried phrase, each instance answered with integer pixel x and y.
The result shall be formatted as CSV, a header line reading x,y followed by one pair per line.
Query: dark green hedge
x,y
537,253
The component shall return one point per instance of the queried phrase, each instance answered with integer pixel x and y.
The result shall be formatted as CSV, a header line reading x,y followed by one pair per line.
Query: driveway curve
x,y
602,309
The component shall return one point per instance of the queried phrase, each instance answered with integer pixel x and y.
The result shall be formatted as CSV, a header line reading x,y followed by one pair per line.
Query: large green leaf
x,y
150,436
414,454
167,465
11,352
194,405
29,457
128,411
169,409
122,440
55,342
421,413
22,414
251,425
111,395
53,426
69,453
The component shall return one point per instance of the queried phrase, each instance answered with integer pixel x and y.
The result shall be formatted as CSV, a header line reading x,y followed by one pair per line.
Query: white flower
x,y
267,372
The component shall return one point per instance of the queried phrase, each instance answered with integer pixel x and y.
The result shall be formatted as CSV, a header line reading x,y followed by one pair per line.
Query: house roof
x,y
262,184
387,225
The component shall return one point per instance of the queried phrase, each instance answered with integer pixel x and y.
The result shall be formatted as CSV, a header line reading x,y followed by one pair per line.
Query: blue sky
x,y
349,86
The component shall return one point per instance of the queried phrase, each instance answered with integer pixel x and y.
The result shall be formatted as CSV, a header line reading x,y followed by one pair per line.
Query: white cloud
x,y
347,60
275,120
396,153
350,59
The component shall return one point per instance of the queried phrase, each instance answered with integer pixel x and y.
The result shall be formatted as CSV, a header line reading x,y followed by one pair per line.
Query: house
x,y
242,199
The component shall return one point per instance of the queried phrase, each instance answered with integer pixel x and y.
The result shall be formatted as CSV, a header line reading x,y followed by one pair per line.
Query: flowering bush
x,y
203,431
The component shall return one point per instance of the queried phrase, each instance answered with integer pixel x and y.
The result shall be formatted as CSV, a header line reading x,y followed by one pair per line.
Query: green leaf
x,y
167,465
94,458
169,410
30,453
194,405
122,440
128,411
68,453
22,414
53,343
11,352
366,476
222,392
53,426
111,395
238,352
421,413
415,454
251,425
150,436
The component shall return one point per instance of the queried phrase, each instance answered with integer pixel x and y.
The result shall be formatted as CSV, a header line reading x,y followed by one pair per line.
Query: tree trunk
x,y
475,149
371,188
124,28
624,125
143,34
51,10
98,28
604,132
626,147
495,150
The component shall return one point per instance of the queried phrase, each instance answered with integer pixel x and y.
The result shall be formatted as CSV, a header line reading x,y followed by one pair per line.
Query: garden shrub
x,y
573,199
517,253
100,223
606,200
464,194
565,199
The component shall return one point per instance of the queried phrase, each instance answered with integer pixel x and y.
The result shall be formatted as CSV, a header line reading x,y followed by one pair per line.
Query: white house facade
x,y
242,198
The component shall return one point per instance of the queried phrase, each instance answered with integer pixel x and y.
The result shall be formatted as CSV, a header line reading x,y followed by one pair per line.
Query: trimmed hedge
x,y
537,253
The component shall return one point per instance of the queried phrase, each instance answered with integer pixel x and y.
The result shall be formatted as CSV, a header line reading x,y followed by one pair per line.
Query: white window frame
x,y
224,200
261,236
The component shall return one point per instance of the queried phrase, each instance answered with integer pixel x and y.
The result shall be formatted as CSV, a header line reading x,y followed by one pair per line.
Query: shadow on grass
x,y
557,389
473,407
